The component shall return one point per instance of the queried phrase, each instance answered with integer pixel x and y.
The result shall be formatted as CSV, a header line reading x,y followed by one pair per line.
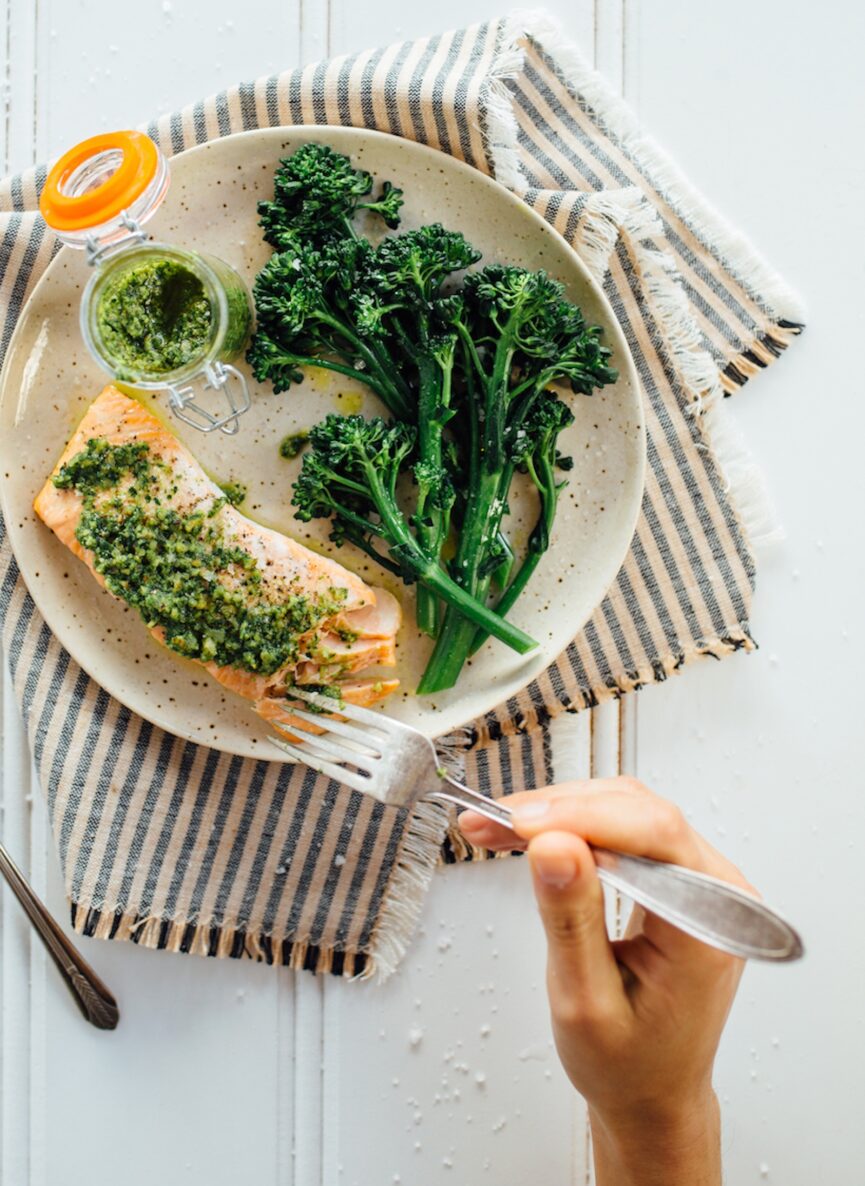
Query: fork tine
x,y
352,711
366,716
340,750
323,766
332,726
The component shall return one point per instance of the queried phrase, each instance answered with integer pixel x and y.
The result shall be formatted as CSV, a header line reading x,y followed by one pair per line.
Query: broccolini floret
x,y
305,307
317,193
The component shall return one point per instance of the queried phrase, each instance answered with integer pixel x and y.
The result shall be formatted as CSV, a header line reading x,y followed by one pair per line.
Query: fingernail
x,y
532,809
556,871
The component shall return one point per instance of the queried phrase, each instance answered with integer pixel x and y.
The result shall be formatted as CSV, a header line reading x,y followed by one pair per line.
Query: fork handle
x,y
704,907
91,996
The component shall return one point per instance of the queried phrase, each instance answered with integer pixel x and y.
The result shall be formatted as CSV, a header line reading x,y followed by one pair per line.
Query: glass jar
x,y
154,316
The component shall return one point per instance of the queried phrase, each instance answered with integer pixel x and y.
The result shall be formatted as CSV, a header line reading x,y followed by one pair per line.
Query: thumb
x,y
582,972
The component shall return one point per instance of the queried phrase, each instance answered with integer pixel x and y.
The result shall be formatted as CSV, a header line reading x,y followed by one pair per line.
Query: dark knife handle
x,y
89,993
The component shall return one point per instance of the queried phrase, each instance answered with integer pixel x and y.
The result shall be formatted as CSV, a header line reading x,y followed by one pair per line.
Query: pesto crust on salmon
x,y
258,610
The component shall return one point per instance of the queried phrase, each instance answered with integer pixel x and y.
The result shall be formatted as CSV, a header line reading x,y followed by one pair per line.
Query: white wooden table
x,y
234,1073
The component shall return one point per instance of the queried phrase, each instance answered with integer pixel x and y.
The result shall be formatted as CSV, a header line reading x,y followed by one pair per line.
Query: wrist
x,y
668,1144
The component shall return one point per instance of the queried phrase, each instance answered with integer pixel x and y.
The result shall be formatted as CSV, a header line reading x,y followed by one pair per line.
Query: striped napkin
x,y
172,845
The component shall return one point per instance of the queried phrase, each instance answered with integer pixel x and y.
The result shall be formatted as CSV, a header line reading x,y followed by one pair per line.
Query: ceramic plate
x,y
49,379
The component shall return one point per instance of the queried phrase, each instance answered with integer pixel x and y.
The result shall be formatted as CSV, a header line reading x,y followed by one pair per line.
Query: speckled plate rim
x,y
473,706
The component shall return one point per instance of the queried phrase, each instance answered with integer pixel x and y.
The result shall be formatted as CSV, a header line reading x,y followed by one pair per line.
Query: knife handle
x,y
91,996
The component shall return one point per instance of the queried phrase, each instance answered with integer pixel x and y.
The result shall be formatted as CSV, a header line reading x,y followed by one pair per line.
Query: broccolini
x,y
467,366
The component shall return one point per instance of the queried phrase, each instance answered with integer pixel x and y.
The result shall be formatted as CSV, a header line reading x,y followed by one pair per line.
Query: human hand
x,y
637,1020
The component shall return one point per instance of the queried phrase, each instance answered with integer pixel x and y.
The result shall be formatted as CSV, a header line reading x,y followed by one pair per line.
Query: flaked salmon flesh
x,y
360,636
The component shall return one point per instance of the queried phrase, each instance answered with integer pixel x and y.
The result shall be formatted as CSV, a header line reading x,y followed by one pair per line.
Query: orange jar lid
x,y
138,165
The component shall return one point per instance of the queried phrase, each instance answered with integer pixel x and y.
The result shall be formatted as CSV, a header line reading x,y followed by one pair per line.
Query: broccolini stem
x,y
458,639
470,610
497,400
361,525
506,602
543,474
361,540
406,551
303,360
481,524
457,633
443,513
376,376
433,521
452,648
471,351
503,572
429,450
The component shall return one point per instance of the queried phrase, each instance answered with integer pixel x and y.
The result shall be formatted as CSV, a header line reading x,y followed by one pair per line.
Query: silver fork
x,y
399,766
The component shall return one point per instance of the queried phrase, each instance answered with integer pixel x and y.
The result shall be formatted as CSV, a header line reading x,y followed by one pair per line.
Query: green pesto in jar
x,y
154,317
181,571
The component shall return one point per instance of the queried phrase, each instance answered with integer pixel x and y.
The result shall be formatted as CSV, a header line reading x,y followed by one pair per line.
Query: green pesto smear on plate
x,y
293,445
153,318
182,571
235,492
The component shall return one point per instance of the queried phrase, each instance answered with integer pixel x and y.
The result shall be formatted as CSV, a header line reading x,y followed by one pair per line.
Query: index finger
x,y
626,817
486,833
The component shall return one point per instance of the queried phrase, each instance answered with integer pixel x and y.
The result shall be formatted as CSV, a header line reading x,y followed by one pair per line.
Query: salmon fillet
x,y
357,625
